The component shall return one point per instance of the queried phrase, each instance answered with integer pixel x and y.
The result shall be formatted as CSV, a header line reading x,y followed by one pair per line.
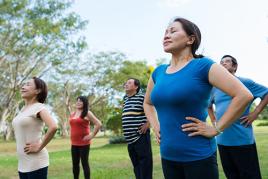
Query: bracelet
x,y
216,128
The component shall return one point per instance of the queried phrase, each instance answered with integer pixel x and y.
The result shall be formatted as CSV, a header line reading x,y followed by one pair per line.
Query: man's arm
x,y
247,120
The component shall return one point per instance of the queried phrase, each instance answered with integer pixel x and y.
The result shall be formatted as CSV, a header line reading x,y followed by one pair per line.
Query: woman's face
x,y
79,104
28,90
175,38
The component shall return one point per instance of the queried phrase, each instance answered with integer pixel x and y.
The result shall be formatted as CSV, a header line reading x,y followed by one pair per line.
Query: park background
x,y
86,47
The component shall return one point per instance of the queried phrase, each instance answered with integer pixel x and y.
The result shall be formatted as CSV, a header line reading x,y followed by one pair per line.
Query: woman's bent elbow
x,y
247,97
54,128
100,125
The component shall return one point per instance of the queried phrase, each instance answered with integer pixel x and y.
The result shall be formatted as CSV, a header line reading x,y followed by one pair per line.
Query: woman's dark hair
x,y
85,105
42,86
136,83
191,30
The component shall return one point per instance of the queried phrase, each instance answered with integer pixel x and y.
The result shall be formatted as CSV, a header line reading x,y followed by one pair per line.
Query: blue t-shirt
x,y
176,96
236,134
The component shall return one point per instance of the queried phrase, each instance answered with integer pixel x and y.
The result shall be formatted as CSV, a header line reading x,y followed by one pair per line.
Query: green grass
x,y
106,161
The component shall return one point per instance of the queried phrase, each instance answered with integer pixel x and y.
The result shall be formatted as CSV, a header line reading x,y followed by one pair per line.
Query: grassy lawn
x,y
106,161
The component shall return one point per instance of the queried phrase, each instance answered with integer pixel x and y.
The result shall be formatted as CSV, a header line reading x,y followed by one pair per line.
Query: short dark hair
x,y
136,83
192,30
234,61
84,100
42,86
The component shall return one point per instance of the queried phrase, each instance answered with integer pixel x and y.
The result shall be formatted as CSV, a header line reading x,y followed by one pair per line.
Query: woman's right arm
x,y
150,111
96,122
52,128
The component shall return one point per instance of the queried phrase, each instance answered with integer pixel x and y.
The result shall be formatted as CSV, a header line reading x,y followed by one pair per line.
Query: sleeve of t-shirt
x,y
124,100
204,67
39,107
140,96
156,72
257,90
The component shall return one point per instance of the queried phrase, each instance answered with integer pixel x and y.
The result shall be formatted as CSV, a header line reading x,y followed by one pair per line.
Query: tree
x,y
115,79
128,69
81,76
115,121
36,36
101,78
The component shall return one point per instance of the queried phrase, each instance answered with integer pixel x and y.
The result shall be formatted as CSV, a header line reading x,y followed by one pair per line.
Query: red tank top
x,y
79,129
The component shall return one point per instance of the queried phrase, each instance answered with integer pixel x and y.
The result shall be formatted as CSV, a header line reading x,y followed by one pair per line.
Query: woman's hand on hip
x,y
32,148
198,127
87,138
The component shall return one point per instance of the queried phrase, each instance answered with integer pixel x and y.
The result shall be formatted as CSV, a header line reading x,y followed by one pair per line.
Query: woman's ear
x,y
38,91
191,40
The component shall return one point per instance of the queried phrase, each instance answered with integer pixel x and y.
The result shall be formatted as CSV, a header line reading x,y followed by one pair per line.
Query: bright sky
x,y
235,27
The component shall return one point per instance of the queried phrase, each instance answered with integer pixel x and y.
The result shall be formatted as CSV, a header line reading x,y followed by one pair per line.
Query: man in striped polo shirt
x,y
136,130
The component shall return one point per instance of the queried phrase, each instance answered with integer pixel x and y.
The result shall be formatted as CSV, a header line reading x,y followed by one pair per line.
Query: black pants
x,y
240,162
40,174
80,152
200,169
140,153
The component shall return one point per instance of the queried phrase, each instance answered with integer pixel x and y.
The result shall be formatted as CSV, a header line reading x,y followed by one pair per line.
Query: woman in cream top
x,y
33,159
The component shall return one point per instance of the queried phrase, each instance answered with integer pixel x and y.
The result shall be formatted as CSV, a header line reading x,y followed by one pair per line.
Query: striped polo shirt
x,y
133,117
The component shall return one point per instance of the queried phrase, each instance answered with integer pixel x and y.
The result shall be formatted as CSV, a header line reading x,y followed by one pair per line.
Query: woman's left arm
x,y
225,81
52,128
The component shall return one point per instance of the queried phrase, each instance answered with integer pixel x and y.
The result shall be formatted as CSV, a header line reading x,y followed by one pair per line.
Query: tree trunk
x,y
64,129
9,133
67,110
5,115
4,124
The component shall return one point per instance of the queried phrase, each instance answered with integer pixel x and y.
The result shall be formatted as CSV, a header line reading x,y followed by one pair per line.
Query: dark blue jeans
x,y
205,168
37,174
140,153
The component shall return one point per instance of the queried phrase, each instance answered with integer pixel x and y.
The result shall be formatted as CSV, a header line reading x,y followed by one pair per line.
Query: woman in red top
x,y
81,136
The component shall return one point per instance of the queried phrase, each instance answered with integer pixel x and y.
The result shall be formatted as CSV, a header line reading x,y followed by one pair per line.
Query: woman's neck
x,y
78,111
181,58
30,101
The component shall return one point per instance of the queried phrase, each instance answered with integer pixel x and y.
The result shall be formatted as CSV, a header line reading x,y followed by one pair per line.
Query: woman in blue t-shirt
x,y
179,92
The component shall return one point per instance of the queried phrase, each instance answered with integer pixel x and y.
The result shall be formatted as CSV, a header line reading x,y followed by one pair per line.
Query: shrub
x,y
117,140
263,123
